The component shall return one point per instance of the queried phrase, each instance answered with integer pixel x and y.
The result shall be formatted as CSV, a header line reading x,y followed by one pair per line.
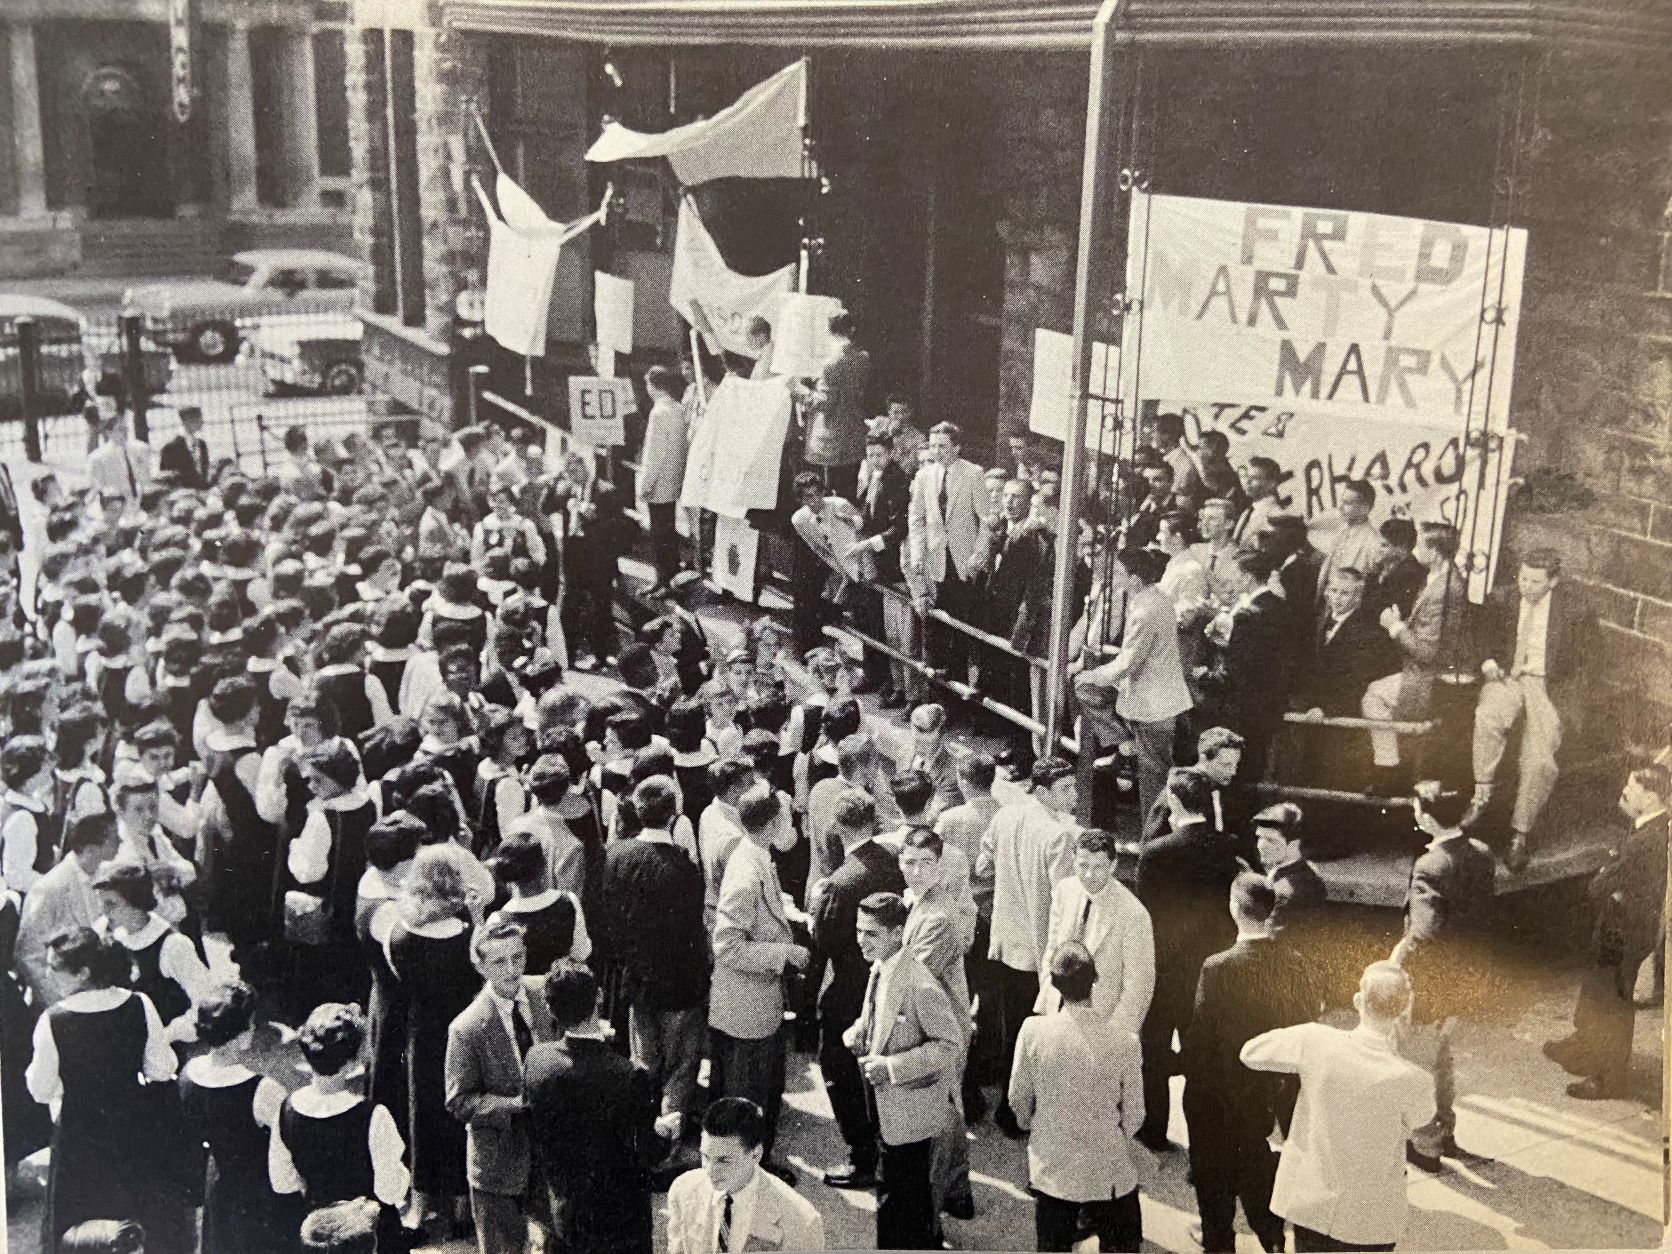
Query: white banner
x,y
612,312
1352,314
717,301
737,449
1053,389
523,248
758,136
801,339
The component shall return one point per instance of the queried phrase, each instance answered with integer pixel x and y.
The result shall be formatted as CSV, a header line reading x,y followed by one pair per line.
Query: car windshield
x,y
239,273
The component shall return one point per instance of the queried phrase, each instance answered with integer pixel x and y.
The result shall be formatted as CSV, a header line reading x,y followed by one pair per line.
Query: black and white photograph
x,y
698,626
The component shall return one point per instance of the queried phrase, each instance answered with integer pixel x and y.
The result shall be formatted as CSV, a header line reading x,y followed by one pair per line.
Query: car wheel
x,y
342,378
215,341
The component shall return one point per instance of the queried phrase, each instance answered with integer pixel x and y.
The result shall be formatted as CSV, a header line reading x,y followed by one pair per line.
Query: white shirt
x,y
880,1031
178,961
310,853
383,1141
504,1006
1532,633
742,1215
47,1086
1342,1172
19,841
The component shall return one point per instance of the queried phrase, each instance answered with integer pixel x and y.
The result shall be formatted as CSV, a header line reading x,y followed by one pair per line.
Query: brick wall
x,y
449,72
368,137
1594,378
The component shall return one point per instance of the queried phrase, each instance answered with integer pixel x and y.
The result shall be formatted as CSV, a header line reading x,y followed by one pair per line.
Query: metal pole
x,y
29,384
478,378
1095,198
133,375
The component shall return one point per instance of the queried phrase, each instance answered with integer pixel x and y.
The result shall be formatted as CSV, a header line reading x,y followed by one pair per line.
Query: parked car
x,y
205,319
67,353
319,355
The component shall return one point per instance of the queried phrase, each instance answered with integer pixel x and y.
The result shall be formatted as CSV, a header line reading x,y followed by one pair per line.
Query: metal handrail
x,y
1398,727
975,633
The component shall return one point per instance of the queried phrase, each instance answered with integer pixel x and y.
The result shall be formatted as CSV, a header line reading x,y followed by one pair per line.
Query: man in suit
x,y
1248,684
1397,577
1347,651
908,1040
487,1046
1146,676
1300,890
1448,917
1357,545
1630,902
1094,909
1076,1088
185,458
1183,879
1219,757
950,511
1341,1178
1252,987
591,1120
884,504
1431,641
1145,523
1260,478
653,927
939,931
836,403
867,868
1028,849
754,950
121,466
1295,563
1215,520
1018,594
662,468
64,899
931,753
730,1202
1536,640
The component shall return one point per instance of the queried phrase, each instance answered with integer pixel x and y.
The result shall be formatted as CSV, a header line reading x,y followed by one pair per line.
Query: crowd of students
x,y
296,760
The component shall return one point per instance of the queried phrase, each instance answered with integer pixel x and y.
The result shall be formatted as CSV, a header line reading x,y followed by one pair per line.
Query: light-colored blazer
x,y
752,942
917,1031
1147,673
938,934
1027,850
60,900
662,456
484,1081
1434,640
1122,944
930,538
782,1219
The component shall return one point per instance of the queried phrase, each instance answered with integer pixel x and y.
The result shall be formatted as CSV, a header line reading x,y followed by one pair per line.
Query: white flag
x,y
737,449
523,249
719,302
756,137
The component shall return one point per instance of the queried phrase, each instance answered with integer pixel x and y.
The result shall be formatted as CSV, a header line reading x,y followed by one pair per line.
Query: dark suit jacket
x,y
1300,894
179,459
1250,681
1254,986
652,923
1399,582
484,1089
1237,805
591,1118
886,516
1184,880
1019,586
1337,671
868,868
1448,916
1628,930
1567,647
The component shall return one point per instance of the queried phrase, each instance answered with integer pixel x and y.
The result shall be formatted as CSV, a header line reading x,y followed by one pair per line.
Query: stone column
x,y
239,112
301,122
30,158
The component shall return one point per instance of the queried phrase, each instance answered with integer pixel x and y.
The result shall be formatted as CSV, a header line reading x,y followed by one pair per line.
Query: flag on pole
x,y
713,298
523,248
758,136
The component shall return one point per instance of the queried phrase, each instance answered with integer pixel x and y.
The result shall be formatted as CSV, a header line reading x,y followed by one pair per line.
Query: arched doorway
x,y
128,171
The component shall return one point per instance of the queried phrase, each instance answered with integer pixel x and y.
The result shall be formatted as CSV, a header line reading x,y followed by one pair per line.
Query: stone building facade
x,y
99,171
970,134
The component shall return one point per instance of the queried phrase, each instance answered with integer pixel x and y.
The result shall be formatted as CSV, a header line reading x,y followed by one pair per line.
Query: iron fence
x,y
299,368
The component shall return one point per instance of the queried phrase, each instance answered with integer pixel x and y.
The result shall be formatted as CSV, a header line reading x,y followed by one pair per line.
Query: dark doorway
x,y
126,146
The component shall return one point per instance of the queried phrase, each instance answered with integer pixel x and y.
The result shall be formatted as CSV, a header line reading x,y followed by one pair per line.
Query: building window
x,y
331,103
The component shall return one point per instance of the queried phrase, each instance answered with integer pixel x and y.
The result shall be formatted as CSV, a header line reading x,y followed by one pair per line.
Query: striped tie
x,y
722,1240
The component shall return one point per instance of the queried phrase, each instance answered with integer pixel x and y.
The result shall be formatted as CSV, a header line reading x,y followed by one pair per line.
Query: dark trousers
x,y
1307,1240
947,647
1118,1222
850,1097
1017,991
589,604
906,1199
752,1069
1169,1011
664,540
1229,1163
1605,1015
